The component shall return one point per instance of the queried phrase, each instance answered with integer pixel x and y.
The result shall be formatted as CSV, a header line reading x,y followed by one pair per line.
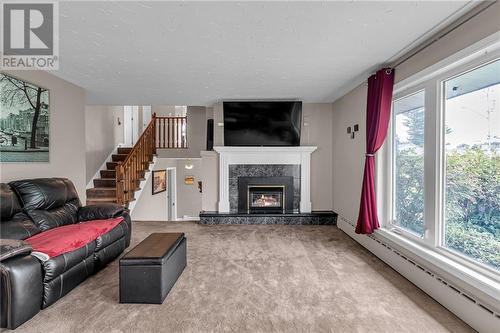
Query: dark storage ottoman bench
x,y
149,270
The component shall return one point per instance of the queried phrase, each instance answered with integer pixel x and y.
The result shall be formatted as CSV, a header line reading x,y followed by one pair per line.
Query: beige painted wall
x,y
317,131
209,113
348,155
163,110
196,133
102,135
210,179
218,120
67,133
154,207
188,196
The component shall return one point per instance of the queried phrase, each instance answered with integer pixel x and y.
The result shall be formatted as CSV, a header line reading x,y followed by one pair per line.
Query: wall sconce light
x,y
352,130
189,165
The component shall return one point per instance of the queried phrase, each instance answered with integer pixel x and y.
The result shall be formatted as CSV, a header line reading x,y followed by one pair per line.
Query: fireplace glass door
x,y
266,199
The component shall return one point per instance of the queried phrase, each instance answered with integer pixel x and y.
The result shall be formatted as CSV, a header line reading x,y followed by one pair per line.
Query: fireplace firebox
x,y
266,199
261,195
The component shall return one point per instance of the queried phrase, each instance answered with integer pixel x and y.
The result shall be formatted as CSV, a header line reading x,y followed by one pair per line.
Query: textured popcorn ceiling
x,y
198,53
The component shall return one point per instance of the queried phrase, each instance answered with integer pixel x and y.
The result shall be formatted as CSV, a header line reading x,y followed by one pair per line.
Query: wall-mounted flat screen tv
x,y
273,123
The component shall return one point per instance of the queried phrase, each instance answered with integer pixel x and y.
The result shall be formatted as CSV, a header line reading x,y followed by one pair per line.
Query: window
x,y
442,163
408,143
472,164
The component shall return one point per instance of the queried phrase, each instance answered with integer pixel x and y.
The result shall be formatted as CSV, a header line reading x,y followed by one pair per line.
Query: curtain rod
x,y
464,19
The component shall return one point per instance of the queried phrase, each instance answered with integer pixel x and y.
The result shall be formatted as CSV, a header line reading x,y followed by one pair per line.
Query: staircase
x,y
123,175
104,189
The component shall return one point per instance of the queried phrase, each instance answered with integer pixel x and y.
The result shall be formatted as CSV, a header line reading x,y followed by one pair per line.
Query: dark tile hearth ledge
x,y
313,218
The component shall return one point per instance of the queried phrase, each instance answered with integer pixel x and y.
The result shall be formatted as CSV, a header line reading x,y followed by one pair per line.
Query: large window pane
x,y
472,154
409,163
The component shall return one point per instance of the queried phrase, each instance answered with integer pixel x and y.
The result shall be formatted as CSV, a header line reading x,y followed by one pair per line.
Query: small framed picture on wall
x,y
159,181
189,180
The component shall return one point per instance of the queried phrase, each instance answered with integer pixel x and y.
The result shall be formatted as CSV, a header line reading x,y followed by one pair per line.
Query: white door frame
x,y
173,186
131,127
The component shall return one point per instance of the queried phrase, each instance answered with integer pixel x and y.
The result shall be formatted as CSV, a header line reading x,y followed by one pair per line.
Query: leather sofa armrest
x,y
21,290
100,211
10,248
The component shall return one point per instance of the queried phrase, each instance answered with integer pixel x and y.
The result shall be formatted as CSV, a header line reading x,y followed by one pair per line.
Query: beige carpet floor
x,y
257,279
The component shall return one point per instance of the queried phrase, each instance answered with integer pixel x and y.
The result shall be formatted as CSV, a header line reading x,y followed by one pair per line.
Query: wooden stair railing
x,y
171,132
130,172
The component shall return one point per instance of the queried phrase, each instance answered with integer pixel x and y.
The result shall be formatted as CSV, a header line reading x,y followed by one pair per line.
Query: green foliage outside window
x,y
472,204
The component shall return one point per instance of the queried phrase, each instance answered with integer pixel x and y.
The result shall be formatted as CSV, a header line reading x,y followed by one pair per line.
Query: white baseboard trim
x,y
188,218
482,318
97,175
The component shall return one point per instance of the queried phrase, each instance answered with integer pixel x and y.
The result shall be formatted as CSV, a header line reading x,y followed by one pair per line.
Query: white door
x,y
171,195
127,125
131,127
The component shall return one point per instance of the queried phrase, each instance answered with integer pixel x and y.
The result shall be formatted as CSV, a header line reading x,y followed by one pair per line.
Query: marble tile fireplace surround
x,y
286,167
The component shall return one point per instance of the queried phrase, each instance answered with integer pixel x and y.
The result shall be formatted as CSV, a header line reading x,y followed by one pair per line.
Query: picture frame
x,y
159,181
24,106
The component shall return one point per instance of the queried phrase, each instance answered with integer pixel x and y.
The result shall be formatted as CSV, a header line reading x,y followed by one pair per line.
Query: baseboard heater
x,y
479,316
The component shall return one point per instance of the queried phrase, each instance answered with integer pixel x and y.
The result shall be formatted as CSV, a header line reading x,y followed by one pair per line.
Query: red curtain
x,y
378,113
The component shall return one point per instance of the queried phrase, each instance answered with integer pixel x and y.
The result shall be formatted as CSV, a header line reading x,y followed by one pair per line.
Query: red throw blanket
x,y
68,238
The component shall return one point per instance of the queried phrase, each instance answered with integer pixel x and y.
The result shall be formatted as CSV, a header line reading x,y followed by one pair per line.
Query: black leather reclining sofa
x,y
32,207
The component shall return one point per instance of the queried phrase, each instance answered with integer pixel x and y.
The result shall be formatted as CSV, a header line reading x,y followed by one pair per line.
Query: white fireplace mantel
x,y
299,155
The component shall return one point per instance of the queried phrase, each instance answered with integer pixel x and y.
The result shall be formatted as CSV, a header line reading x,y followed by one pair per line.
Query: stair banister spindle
x,y
168,133
119,184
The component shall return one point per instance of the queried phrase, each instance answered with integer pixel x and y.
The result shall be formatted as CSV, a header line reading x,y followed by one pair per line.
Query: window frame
x,y
441,160
392,135
432,82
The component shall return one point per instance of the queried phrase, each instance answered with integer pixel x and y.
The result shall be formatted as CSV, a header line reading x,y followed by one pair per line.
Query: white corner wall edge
x,y
142,185
97,175
467,309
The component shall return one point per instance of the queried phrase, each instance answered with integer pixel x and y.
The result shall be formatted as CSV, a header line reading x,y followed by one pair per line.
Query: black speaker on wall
x,y
210,134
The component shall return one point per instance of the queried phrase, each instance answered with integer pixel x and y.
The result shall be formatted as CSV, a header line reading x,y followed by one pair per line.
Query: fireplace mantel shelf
x,y
287,149
298,155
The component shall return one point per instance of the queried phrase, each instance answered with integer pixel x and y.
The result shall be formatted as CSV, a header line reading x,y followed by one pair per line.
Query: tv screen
x,y
262,123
